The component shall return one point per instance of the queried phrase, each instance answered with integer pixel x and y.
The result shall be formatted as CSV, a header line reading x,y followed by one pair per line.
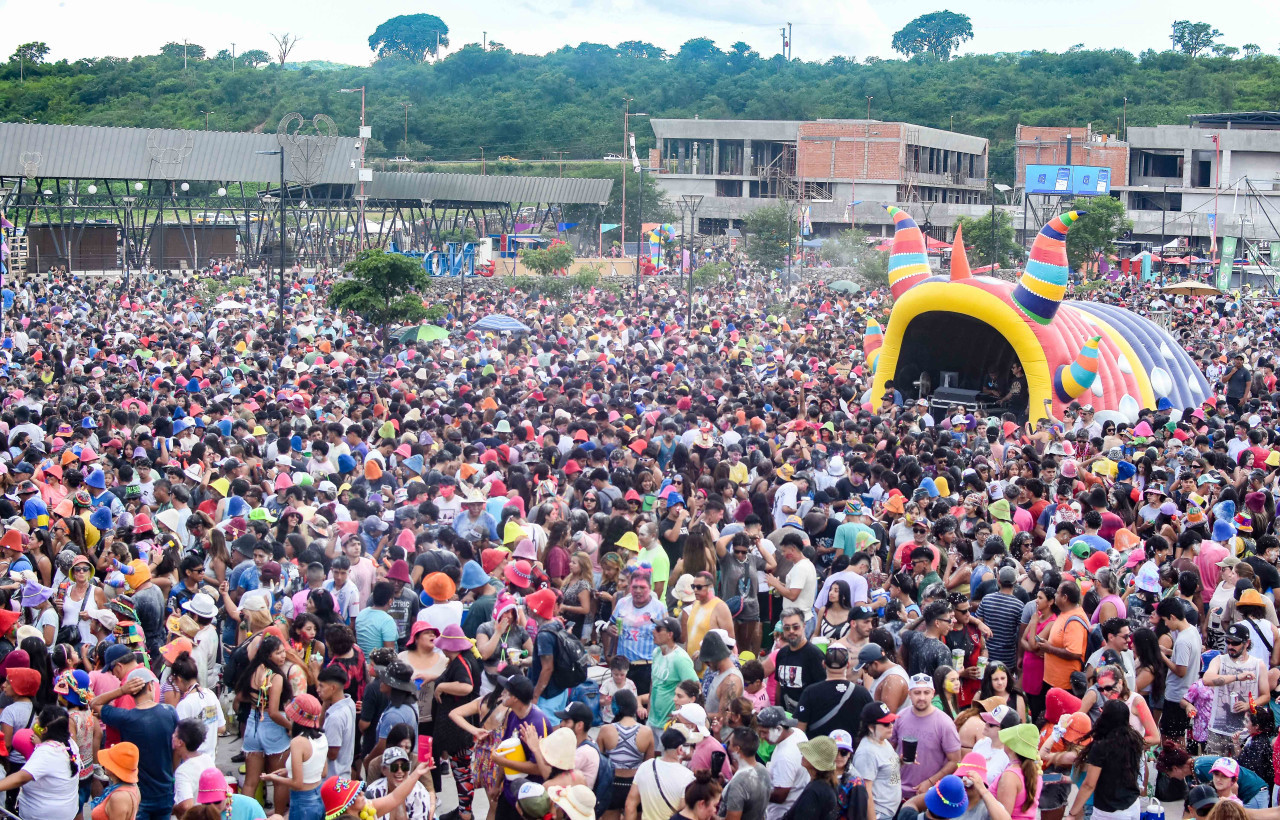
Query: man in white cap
x,y
925,739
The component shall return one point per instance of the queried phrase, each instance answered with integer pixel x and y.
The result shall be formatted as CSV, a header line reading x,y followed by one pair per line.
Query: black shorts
x,y
621,788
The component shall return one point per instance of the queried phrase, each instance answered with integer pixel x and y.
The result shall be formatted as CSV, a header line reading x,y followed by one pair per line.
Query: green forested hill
x,y
572,100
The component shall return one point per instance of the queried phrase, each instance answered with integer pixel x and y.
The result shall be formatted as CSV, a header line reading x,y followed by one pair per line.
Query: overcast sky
x,y
338,31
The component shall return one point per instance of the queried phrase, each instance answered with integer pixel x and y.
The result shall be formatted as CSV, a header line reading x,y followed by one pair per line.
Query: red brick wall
x,y
1053,151
813,157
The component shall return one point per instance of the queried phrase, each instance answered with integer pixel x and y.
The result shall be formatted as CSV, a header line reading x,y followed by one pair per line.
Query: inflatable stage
x,y
956,331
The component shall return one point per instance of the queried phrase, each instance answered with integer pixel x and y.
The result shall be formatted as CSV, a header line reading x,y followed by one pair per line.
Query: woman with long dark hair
x,y
833,616
50,778
1111,773
1149,669
266,687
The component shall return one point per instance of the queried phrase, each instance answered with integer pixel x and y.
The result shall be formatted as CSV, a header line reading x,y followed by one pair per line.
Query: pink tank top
x,y
1017,813
1121,609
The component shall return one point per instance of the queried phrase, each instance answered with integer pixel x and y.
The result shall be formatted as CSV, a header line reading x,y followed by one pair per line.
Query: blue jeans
x,y
306,805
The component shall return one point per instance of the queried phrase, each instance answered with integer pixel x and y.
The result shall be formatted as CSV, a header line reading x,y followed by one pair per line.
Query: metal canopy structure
x,y
178,197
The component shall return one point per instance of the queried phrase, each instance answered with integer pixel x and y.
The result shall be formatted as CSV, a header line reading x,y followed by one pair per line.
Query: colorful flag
x,y
605,227
561,227
1147,275
1213,233
1228,258
806,224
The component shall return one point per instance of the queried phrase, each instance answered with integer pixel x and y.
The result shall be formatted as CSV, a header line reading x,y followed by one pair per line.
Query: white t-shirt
x,y
784,497
340,731
804,577
186,778
786,770
54,790
657,779
203,705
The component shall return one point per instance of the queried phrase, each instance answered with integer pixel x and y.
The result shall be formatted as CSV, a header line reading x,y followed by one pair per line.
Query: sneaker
x,y
238,757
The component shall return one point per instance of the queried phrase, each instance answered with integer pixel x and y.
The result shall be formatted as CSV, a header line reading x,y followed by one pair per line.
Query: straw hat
x,y
577,802
820,752
558,749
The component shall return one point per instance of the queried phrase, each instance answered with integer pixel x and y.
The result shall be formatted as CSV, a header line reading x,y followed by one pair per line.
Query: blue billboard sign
x,y
1068,180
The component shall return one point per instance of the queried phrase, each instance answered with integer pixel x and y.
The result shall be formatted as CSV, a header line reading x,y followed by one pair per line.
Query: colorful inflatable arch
x,y
969,325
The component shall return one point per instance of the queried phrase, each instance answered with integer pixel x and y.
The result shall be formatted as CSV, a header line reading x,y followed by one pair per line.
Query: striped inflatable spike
x,y
1071,381
1040,290
871,342
959,259
908,263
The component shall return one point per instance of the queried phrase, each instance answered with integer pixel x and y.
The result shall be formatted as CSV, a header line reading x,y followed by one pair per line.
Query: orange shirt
x,y
1069,631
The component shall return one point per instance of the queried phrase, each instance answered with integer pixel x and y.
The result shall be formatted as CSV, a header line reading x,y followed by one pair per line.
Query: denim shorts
x,y
306,805
264,735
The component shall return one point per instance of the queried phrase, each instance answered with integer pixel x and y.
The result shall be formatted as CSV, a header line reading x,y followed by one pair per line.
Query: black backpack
x,y
571,660
604,776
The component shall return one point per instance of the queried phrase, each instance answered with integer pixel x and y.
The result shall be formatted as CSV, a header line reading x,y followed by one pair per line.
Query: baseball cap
x,y
1226,766
837,657
861,613
877,712
921,682
772,717
1237,633
1202,796
577,712
1001,716
844,740
870,653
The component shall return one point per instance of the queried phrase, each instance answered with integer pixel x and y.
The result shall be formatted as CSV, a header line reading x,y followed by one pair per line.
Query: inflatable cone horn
x,y
1040,290
871,342
1070,382
908,264
959,259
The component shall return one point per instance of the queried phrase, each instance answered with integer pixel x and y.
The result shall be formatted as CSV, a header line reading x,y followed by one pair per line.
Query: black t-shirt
x,y
1115,791
816,802
818,701
1266,573
796,670
674,549
448,736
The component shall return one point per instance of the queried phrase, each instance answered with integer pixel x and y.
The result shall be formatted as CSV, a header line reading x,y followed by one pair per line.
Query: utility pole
x,y
484,41
561,155
993,226
1164,209
481,160
1124,128
206,119
626,112
866,148
364,135
184,53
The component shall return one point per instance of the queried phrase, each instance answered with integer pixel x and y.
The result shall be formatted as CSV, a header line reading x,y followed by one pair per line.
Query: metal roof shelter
x,y
1240,119
139,180
495,189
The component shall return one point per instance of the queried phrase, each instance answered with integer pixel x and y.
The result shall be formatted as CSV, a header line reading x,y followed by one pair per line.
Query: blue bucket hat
x,y
1223,530
473,576
237,506
1125,470
346,464
101,518
96,480
414,463
947,799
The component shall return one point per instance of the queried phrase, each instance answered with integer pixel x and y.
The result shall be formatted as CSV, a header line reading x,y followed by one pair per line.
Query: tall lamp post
x,y
128,216
689,204
280,300
626,134
365,134
995,186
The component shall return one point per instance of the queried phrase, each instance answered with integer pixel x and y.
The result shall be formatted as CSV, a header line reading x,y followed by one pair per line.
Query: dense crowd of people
x,y
618,566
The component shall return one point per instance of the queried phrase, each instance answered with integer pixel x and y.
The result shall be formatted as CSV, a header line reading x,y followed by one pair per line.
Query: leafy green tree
x,y
700,50
977,239
33,53
937,34
193,51
1193,38
1096,232
383,288
1220,50
546,261
641,50
1251,50
742,55
413,37
769,231
254,57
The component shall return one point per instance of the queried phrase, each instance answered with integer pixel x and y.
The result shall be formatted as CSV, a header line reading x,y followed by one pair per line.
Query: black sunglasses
x,y
399,766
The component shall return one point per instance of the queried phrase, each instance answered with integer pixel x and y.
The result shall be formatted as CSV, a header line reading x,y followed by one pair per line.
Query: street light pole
x,y
206,119
626,133
640,220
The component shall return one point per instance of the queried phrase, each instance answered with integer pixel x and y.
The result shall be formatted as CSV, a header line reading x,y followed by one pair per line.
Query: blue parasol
x,y
498,323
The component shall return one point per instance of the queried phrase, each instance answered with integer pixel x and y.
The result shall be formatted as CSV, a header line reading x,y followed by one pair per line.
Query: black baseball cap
x,y
1237,633
877,712
577,712
1202,796
868,654
861,613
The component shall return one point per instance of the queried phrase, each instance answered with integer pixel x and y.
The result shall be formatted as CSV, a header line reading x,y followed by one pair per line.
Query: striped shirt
x,y
1001,612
